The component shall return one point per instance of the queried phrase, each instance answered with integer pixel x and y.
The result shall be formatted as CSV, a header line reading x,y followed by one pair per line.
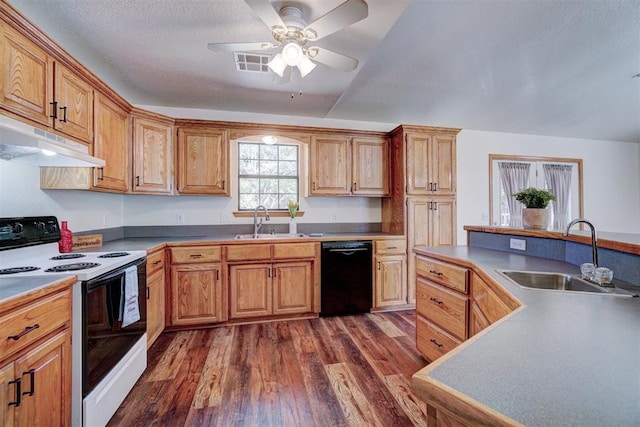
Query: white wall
x,y
20,195
611,176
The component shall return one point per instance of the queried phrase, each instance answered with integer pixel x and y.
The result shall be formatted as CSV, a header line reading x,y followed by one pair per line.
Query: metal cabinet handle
x,y
32,382
64,114
435,186
435,206
137,180
269,272
275,271
18,401
436,343
148,293
436,273
392,247
217,274
23,333
224,183
355,186
156,262
54,104
313,186
100,174
435,300
378,265
196,255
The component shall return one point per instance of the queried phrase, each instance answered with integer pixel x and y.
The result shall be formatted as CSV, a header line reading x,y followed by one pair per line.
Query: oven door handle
x,y
91,284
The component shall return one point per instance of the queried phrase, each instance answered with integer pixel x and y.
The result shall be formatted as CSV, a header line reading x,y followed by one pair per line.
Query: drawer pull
x,y
148,293
392,247
435,300
378,265
196,255
434,272
157,262
18,400
23,333
436,343
32,382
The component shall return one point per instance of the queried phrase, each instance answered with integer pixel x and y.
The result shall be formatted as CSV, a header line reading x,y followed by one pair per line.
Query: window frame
x,y
240,176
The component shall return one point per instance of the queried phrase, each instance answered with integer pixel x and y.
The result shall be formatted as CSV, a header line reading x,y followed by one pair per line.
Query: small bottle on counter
x,y
66,239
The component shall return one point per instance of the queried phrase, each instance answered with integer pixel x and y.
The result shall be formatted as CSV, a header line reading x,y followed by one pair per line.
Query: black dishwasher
x,y
346,278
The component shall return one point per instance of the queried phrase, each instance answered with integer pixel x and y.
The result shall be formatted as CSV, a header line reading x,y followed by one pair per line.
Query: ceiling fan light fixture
x,y
306,66
292,53
277,65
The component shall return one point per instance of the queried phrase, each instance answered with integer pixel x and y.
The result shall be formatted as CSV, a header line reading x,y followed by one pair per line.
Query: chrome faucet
x,y
256,224
594,238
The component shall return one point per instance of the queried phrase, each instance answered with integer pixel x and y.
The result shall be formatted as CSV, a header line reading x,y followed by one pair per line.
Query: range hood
x,y
23,143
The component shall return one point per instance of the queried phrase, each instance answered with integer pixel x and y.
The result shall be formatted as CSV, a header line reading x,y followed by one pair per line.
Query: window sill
x,y
274,214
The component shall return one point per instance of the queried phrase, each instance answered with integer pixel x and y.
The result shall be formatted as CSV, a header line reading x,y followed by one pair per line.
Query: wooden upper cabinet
x,y
370,166
152,156
73,104
431,163
344,166
111,144
26,77
330,166
203,161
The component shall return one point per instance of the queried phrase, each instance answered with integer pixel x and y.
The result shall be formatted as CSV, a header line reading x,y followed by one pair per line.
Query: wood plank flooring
x,y
333,371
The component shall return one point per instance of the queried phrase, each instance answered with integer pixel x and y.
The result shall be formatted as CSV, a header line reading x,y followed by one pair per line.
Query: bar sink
x,y
558,282
269,236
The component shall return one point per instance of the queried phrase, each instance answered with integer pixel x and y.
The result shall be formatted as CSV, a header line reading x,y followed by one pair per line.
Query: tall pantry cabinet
x,y
422,205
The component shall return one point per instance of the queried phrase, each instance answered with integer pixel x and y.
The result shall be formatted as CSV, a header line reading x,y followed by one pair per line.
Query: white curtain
x,y
514,177
558,179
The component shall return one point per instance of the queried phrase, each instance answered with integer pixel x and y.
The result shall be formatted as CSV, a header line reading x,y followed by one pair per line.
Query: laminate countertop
x,y
563,359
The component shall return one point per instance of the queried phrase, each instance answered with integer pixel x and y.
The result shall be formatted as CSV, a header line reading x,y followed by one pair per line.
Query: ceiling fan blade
x,y
265,11
333,59
238,47
349,12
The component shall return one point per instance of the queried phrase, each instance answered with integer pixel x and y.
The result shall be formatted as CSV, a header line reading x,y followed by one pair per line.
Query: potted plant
x,y
292,207
535,215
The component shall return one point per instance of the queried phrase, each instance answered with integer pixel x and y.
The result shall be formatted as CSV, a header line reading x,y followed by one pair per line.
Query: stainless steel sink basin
x,y
558,282
269,236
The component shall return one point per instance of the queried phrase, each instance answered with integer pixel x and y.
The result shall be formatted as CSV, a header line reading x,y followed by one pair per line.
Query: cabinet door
x,y
330,166
370,166
111,144
8,394
155,306
203,161
26,77
390,280
292,287
196,294
152,157
442,220
417,235
418,163
46,383
443,165
74,102
250,288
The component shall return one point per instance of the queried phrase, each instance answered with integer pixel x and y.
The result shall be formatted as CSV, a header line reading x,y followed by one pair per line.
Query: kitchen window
x,y
267,175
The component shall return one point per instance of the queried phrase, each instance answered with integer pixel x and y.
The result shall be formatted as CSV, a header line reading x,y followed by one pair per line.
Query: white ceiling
x,y
554,67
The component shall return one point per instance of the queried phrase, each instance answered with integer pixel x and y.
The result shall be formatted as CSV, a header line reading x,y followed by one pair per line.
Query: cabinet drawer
x,y
33,321
195,254
448,275
155,262
294,250
443,307
432,341
248,252
395,246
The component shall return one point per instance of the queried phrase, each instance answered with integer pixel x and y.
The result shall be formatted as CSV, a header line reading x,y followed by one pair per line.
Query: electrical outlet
x,y
518,244
180,218
226,217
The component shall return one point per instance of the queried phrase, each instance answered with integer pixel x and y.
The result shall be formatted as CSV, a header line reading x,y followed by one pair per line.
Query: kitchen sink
x,y
269,236
559,282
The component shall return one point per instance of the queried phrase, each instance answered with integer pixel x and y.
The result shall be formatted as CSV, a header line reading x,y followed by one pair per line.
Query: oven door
x,y
105,340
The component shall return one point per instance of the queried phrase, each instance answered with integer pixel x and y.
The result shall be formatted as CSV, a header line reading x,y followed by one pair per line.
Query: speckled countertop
x,y
151,243
565,359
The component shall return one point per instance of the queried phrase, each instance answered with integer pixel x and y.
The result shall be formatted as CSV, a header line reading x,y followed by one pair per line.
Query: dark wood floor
x,y
334,371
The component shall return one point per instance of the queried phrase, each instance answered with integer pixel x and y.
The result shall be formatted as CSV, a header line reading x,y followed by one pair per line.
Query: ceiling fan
x,y
291,31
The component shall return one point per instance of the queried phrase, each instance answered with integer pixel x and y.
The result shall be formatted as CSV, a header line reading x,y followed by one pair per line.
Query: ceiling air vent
x,y
252,62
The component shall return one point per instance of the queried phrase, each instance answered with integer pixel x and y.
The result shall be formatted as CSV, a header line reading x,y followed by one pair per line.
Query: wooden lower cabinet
x,y
155,306
433,341
196,294
35,369
390,280
270,289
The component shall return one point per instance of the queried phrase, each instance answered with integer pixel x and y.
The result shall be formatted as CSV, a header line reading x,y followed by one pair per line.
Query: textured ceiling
x,y
555,67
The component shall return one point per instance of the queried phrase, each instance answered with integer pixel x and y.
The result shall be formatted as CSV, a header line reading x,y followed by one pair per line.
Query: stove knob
x,y
52,228
18,228
40,226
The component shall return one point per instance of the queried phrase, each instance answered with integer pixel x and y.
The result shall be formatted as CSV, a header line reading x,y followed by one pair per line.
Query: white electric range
x,y
109,344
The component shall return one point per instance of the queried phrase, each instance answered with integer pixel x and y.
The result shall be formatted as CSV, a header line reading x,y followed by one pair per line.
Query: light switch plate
x,y
518,244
